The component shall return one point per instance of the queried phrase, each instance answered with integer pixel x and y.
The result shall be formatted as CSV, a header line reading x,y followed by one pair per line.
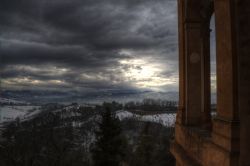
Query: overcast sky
x,y
89,45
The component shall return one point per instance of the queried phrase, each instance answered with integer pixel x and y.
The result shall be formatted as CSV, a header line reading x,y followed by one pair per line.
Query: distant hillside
x,y
93,97
9,101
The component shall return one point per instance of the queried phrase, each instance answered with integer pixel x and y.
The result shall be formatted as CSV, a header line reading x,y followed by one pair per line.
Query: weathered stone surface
x,y
228,144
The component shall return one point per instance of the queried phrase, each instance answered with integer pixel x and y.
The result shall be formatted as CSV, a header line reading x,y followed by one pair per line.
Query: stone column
x,y
194,65
193,53
182,74
206,87
243,51
226,125
190,61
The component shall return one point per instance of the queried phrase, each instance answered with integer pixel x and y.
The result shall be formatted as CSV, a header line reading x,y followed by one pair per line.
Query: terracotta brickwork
x,y
224,140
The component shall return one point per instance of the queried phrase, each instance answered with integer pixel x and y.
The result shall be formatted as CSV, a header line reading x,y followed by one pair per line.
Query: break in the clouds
x,y
89,44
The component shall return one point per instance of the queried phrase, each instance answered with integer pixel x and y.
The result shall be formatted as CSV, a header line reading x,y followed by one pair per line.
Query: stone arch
x,y
228,143
206,13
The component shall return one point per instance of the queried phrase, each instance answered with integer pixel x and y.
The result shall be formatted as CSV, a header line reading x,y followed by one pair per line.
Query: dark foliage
x,y
63,136
45,140
110,145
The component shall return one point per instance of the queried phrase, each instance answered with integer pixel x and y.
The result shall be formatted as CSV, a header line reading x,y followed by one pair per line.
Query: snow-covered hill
x,y
10,109
24,113
9,113
6,101
166,119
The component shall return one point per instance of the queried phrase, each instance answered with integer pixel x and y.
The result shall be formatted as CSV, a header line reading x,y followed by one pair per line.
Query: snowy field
x,y
8,113
11,101
166,119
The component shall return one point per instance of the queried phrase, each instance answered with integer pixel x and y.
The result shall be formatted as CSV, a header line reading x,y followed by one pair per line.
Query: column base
x,y
194,147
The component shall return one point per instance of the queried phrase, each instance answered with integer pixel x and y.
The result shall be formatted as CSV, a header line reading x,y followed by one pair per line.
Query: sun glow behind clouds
x,y
144,73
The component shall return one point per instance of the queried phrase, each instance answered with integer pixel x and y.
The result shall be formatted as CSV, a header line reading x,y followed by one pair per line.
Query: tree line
x,y
152,105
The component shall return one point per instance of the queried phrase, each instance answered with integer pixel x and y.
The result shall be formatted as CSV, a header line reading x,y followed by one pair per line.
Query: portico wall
x,y
224,140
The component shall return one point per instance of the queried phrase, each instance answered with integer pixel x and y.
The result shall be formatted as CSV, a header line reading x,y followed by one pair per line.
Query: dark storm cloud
x,y
84,36
27,53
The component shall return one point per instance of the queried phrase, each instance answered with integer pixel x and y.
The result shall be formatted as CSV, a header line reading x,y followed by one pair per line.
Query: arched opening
x,y
213,74
224,84
208,66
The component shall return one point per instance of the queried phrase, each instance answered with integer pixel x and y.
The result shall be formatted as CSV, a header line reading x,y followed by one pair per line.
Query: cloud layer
x,y
88,44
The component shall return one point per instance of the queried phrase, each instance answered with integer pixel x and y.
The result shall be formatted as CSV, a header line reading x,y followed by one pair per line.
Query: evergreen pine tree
x,y
110,145
145,150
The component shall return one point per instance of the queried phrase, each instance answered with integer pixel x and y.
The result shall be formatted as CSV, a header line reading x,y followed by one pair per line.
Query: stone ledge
x,y
193,145
181,155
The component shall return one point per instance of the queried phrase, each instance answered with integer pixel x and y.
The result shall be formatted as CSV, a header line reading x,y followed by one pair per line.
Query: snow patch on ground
x,y
166,119
9,113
